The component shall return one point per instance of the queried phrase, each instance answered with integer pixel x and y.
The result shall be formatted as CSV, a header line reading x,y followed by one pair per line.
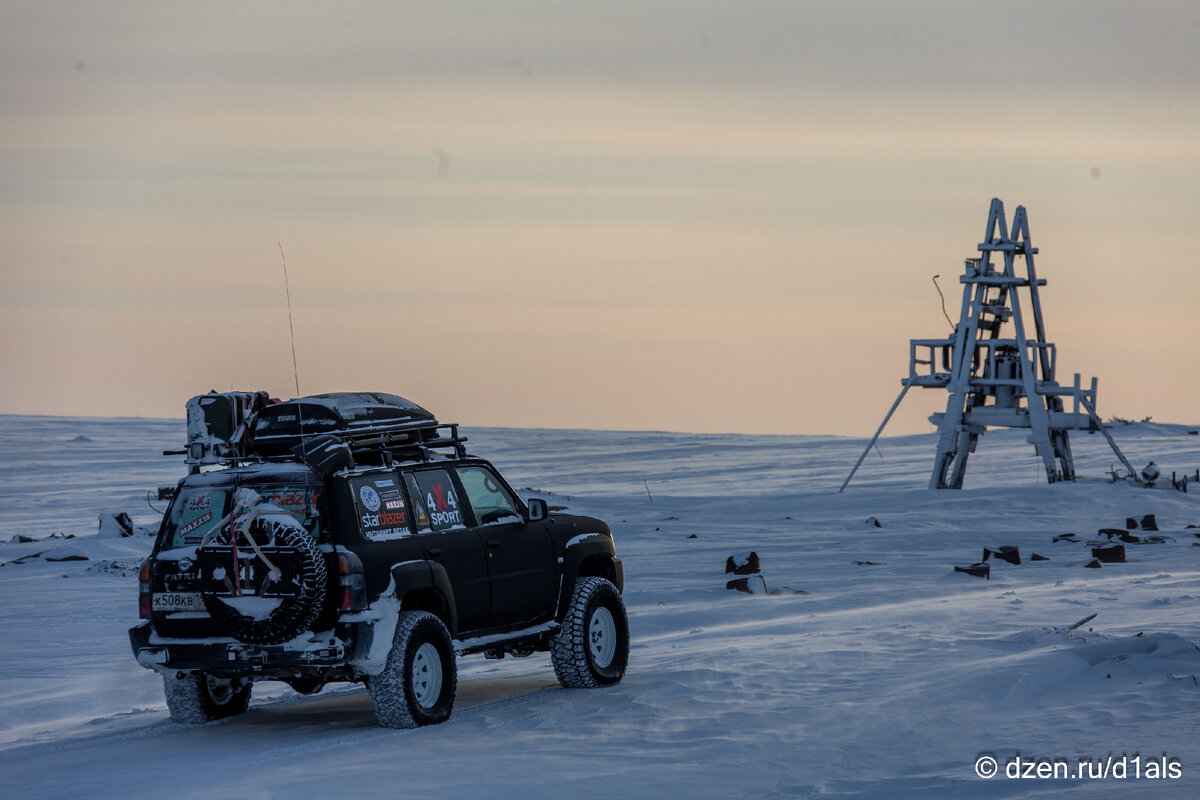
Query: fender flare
x,y
576,552
412,575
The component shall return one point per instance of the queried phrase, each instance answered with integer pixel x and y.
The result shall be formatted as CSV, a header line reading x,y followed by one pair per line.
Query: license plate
x,y
176,601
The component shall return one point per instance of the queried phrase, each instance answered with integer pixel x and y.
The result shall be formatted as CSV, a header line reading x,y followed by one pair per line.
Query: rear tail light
x,y
353,590
144,590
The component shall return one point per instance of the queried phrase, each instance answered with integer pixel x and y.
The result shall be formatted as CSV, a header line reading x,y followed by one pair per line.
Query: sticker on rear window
x,y
381,516
369,497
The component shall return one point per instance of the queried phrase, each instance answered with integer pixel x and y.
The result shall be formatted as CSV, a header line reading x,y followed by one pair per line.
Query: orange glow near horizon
x,y
710,221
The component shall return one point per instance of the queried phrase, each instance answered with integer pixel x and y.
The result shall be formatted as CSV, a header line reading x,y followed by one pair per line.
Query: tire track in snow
x,y
151,769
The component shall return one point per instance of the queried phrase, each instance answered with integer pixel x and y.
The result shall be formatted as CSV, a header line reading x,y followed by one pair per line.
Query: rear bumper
x,y
347,643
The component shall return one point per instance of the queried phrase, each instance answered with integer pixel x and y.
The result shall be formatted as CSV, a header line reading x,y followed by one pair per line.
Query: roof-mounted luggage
x,y
375,427
351,416
217,424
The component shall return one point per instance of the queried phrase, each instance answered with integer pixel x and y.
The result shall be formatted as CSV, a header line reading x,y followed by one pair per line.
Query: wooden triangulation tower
x,y
998,380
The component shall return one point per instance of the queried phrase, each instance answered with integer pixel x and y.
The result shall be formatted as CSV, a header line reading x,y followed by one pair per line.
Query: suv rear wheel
x,y
592,648
418,684
199,697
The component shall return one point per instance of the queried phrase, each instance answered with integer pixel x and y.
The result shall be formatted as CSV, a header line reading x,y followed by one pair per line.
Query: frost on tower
x,y
999,371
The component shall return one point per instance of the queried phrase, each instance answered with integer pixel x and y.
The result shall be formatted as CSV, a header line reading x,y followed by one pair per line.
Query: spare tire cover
x,y
293,614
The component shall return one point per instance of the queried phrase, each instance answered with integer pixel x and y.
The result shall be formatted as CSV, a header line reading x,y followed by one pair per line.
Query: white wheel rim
x,y
427,675
219,689
602,637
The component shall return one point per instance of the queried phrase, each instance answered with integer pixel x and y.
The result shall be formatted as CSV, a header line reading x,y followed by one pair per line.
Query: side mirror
x,y
538,509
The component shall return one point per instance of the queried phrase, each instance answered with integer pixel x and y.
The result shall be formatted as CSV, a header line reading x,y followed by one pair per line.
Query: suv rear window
x,y
195,513
198,509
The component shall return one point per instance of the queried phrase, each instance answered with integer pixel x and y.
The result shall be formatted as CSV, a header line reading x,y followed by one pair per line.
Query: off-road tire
x,y
418,683
199,697
592,648
294,614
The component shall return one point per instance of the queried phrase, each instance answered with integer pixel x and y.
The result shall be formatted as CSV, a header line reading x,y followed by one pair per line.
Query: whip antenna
x,y
291,330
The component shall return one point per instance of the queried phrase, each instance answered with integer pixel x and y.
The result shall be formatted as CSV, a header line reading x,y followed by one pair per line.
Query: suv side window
x,y
382,513
487,496
435,500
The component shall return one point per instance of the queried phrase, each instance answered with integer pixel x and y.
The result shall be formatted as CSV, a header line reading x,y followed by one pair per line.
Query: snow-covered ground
x,y
889,678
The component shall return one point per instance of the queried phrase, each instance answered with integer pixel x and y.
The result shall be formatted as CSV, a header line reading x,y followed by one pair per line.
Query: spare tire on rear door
x,y
267,588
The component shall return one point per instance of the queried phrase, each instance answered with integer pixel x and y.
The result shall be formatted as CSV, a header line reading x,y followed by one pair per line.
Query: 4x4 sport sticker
x,y
442,503
200,503
435,503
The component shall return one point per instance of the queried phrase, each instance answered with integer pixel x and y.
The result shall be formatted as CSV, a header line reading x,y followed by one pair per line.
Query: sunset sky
x,y
631,215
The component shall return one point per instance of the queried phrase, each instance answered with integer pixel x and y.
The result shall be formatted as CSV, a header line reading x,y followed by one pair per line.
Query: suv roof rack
x,y
239,427
326,453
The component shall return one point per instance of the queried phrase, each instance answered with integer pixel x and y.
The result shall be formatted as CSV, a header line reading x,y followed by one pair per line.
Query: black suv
x,y
350,537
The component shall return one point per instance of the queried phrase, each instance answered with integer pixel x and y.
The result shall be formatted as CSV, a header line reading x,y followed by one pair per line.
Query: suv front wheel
x,y
592,648
419,681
